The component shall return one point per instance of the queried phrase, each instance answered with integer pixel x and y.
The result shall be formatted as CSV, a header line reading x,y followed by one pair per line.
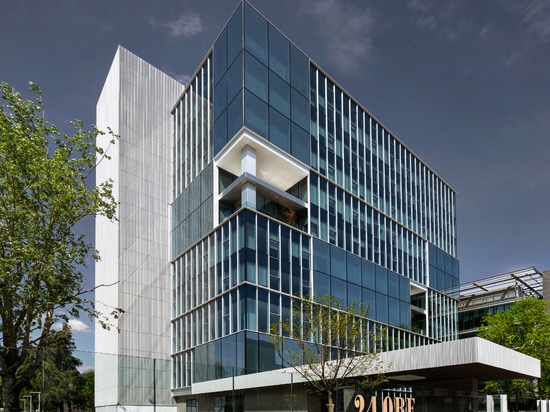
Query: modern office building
x,y
132,366
286,186
281,185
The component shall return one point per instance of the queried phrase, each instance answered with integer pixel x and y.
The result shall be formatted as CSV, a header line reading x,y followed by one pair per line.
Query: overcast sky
x,y
464,84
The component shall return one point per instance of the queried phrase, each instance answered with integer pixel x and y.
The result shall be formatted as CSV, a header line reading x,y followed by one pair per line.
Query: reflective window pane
x,y
279,54
235,116
255,77
299,64
279,94
255,33
279,129
220,56
300,110
255,114
234,36
300,143
235,78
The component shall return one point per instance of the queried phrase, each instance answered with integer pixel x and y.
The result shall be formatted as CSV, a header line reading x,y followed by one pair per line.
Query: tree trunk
x,y
330,404
11,392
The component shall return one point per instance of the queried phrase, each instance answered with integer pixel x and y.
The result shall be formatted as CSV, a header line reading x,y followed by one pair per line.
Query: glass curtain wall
x,y
380,220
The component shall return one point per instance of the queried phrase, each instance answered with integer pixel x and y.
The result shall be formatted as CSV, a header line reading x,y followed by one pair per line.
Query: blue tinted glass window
x,y
255,33
255,114
369,300
279,129
367,274
448,263
279,94
218,346
405,314
440,258
393,284
338,266
220,97
394,311
234,36
354,269
300,109
220,56
339,291
255,77
262,269
262,234
455,268
306,282
404,289
250,230
285,276
279,54
235,116
241,364
381,280
300,143
299,73
382,308
321,256
263,311
251,323
235,78
296,280
285,243
432,251
220,132
251,265
354,295
321,283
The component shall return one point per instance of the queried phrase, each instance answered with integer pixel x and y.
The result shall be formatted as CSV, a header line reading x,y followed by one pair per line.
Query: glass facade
x,y
359,217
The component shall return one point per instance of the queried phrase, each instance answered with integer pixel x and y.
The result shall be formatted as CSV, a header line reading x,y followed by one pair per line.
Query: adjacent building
x,y
496,294
132,366
260,182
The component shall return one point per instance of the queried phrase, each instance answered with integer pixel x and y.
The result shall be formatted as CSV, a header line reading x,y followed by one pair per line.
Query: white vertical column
x,y
248,165
248,160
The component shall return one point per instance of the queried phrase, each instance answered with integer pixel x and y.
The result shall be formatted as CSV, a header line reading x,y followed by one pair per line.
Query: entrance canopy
x,y
460,364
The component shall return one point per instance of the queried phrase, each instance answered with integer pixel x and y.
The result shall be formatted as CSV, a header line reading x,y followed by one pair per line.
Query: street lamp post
x,y
38,393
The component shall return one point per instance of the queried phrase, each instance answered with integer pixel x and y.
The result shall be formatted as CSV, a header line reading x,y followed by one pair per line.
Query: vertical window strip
x,y
209,97
195,127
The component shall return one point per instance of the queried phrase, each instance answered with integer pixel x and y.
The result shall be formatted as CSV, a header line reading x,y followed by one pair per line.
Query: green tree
x,y
328,345
43,196
58,378
87,391
59,381
525,327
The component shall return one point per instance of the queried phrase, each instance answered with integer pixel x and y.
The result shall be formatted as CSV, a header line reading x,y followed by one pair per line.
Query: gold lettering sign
x,y
397,404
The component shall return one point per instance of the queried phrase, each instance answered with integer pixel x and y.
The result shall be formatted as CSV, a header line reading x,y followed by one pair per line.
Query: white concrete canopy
x,y
272,164
460,359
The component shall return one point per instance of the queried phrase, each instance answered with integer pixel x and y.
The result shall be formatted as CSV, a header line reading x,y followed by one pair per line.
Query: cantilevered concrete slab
x,y
458,365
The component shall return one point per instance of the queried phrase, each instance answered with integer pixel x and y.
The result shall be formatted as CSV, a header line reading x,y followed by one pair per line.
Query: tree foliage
x,y
328,345
525,327
43,196
87,391
59,381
